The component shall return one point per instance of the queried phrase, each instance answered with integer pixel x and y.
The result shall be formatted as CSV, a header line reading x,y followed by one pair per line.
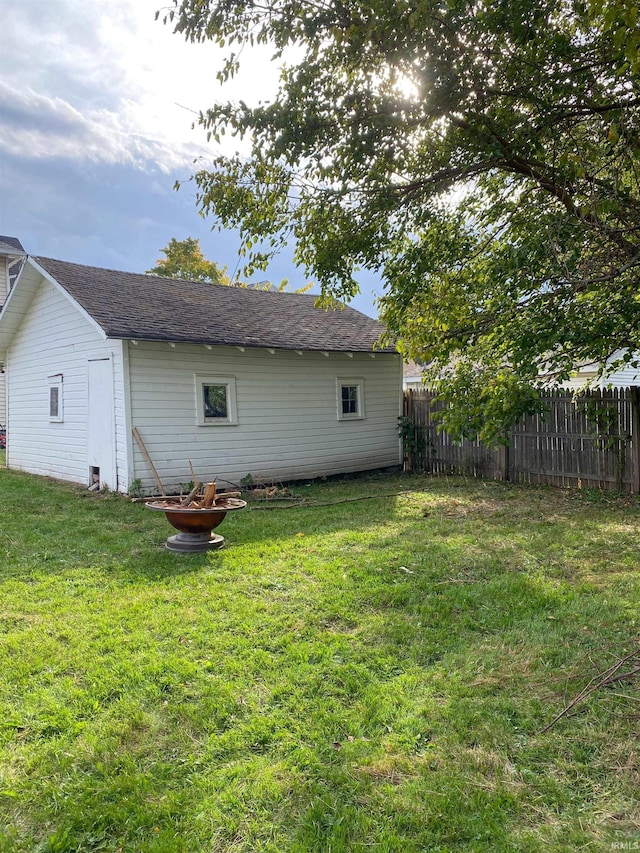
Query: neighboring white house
x,y
412,376
11,256
587,374
237,381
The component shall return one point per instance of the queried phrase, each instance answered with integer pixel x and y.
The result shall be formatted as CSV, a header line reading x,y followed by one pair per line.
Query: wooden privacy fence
x,y
589,441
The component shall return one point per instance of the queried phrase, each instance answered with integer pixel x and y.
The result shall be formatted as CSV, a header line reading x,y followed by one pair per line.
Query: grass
x,y
371,675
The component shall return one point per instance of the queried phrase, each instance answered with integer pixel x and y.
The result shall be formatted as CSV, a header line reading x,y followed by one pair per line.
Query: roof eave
x,y
116,334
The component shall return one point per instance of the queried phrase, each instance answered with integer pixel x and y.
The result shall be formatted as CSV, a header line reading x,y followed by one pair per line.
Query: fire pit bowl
x,y
195,524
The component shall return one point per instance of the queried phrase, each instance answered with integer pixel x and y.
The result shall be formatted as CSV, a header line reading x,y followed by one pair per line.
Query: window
x,y
350,399
216,400
55,398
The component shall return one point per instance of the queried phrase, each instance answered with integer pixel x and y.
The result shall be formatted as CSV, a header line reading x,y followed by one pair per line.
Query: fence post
x,y
407,412
635,439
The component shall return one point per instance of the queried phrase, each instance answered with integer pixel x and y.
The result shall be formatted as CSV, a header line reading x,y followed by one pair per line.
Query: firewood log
x,y
194,491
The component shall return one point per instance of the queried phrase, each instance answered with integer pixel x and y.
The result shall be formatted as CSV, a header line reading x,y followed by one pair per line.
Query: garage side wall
x,y
286,406
4,289
53,345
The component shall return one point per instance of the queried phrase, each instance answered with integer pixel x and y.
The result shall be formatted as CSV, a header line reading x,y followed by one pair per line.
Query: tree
x,y
484,156
184,260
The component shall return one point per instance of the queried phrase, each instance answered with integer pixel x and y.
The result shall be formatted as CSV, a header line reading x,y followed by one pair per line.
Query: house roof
x,y
145,307
11,248
412,369
10,245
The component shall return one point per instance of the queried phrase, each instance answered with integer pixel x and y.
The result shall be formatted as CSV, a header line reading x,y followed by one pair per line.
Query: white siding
x,y
4,278
3,404
4,289
625,377
287,426
55,338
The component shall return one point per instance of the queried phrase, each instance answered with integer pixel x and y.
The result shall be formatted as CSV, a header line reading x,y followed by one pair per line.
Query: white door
x,y
101,432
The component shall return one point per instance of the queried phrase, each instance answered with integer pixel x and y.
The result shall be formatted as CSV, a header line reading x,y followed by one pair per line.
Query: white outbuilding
x,y
101,366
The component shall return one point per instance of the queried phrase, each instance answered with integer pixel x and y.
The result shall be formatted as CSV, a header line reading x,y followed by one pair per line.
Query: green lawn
x,y
371,675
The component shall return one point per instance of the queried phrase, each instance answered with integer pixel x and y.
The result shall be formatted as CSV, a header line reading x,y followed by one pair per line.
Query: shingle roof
x,y
7,244
145,307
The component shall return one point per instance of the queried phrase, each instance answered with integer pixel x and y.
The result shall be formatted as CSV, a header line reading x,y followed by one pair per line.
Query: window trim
x,y
232,413
56,382
342,382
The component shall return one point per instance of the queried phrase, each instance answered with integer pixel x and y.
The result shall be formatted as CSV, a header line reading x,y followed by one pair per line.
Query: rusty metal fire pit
x,y
195,524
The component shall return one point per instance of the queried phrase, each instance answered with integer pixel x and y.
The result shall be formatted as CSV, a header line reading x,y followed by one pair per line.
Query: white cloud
x,y
106,82
44,127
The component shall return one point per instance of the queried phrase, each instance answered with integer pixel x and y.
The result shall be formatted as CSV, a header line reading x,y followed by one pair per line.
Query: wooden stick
x,y
193,473
194,491
138,438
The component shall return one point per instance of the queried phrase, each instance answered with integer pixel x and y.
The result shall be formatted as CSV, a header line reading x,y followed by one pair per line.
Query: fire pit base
x,y
194,543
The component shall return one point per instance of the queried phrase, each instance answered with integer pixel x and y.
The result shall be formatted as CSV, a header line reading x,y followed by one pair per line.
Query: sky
x,y
97,105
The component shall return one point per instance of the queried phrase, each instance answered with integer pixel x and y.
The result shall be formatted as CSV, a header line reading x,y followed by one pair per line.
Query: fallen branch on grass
x,y
303,501
609,676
